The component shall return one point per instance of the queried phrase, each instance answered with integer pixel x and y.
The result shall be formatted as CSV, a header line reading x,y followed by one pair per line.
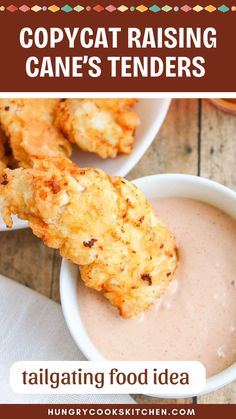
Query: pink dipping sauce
x,y
196,318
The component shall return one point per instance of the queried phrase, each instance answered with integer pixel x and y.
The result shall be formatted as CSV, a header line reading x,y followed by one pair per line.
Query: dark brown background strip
x,y
97,411
220,62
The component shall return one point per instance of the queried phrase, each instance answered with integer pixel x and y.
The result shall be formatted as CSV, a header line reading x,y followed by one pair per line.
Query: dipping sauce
x,y
196,318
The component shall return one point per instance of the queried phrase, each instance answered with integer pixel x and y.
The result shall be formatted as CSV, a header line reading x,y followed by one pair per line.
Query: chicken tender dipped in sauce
x,y
104,224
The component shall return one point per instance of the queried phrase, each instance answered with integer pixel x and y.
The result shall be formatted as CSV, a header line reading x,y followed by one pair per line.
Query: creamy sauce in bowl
x,y
196,318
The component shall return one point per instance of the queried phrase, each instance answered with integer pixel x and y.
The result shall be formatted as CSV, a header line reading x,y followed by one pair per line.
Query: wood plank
x,y
142,399
175,148
24,258
55,278
218,145
218,162
226,395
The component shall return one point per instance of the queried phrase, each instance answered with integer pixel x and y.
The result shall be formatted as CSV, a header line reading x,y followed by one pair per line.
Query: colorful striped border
x,y
123,8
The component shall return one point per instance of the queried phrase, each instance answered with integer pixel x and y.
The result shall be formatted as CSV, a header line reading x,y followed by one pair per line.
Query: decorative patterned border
x,y
110,8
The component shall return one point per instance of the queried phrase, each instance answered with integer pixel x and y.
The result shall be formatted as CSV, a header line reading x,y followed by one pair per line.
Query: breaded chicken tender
x,y
29,124
3,157
102,126
104,224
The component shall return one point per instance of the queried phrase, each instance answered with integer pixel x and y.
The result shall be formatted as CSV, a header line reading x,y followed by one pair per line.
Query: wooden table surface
x,y
195,138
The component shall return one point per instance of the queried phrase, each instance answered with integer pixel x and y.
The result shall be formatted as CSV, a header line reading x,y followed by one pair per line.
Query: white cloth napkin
x,y
32,328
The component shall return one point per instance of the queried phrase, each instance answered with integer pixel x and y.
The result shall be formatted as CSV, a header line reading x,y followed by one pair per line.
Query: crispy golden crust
x,y
3,157
102,223
102,126
29,124
2,162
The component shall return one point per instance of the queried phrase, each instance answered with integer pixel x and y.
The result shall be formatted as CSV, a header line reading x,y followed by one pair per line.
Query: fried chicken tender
x,y
102,126
3,157
29,124
104,224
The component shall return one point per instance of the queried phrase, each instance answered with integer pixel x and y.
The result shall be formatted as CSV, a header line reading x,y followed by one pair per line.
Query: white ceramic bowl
x,y
152,113
167,185
17,224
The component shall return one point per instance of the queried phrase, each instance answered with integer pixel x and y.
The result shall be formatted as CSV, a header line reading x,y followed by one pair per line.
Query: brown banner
x,y
220,62
95,411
